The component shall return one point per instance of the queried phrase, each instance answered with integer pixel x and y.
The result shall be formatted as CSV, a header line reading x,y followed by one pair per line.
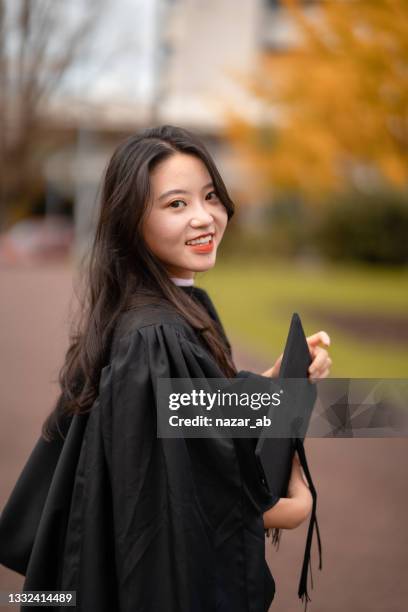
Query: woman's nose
x,y
201,216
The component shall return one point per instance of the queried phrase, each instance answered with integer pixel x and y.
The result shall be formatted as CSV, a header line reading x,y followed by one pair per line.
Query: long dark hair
x,y
122,271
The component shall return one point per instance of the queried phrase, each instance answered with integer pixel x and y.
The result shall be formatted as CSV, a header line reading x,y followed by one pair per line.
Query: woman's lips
x,y
202,248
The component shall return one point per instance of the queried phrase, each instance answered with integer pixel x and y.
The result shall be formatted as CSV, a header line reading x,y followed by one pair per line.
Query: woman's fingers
x,y
273,372
276,366
321,362
320,337
319,375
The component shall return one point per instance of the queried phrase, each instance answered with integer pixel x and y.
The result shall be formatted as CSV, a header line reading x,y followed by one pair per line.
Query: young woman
x,y
104,507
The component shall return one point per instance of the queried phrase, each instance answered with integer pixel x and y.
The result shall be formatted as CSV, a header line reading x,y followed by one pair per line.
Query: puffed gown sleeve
x,y
131,521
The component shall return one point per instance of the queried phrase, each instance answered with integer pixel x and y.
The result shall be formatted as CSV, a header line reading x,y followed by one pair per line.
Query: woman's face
x,y
184,207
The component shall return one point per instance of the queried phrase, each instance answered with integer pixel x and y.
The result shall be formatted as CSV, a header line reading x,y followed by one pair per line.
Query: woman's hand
x,y
289,512
321,362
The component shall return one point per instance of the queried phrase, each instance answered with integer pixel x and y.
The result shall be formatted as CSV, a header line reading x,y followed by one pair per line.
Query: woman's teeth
x,y
203,240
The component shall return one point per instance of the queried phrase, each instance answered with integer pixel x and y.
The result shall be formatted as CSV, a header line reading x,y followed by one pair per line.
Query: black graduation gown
x,y
132,522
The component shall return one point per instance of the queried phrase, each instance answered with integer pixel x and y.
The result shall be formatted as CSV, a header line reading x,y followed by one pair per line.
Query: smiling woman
x,y
184,232
104,507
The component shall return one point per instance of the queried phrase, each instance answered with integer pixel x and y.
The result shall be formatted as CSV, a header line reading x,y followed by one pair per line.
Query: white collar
x,y
182,282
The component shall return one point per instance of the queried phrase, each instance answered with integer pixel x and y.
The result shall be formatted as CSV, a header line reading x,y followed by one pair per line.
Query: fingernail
x,y
326,339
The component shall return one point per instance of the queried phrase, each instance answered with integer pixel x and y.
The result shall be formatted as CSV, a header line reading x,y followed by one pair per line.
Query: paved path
x,y
362,484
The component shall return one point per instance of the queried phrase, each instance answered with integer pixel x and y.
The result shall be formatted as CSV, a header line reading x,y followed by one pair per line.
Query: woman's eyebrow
x,y
176,191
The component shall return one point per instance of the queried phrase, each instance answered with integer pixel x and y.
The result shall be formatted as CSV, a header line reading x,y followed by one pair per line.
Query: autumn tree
x,y
41,41
334,105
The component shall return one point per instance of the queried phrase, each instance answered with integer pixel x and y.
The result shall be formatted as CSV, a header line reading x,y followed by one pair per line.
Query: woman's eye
x,y
174,204
212,193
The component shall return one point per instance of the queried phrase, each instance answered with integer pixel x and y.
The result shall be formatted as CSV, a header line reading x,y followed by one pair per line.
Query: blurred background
x,y
304,105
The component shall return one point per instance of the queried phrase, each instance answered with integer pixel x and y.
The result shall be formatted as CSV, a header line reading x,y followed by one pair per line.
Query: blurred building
x,y
210,46
208,50
196,57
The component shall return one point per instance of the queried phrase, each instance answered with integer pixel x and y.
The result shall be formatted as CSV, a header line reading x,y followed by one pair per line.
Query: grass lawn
x,y
255,302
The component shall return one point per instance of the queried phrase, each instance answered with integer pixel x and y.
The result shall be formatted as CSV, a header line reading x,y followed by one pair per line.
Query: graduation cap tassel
x,y
302,591
311,573
305,597
319,543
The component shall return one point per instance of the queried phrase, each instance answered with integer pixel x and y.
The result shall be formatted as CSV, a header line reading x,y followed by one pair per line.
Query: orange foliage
x,y
339,100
